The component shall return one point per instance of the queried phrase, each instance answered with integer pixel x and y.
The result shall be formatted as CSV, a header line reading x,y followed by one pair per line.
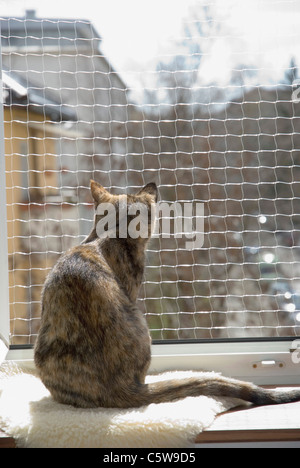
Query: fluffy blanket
x,y
34,419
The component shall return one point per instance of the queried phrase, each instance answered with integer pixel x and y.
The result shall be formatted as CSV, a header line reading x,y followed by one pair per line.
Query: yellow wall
x,y
26,272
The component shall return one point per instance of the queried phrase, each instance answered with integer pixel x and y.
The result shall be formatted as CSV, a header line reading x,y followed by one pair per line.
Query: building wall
x,y
83,80
35,213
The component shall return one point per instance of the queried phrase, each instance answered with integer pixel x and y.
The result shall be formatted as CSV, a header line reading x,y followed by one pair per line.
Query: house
x,y
66,111
63,56
32,122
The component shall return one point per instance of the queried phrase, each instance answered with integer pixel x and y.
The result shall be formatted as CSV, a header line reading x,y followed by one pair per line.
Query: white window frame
x,y
268,361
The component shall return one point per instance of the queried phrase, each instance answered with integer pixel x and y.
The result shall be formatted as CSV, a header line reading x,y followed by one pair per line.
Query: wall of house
x,y
40,225
83,80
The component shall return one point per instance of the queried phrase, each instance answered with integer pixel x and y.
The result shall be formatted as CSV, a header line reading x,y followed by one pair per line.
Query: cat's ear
x,y
99,193
151,189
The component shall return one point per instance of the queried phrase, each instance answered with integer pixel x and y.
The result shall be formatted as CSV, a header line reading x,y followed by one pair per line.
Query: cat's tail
x,y
167,391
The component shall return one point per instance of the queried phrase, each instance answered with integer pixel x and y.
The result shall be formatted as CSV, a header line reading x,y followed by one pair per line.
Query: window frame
x,y
260,360
239,358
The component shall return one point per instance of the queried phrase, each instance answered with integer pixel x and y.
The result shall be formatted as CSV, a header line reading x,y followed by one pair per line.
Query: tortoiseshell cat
x,y
94,347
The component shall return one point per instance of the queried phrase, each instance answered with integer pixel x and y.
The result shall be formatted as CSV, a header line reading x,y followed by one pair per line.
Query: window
x,y
215,125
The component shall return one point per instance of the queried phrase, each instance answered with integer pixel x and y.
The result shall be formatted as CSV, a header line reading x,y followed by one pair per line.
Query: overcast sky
x,y
259,33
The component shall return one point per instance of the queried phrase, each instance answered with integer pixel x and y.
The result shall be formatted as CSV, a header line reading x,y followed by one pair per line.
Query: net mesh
x,y
233,146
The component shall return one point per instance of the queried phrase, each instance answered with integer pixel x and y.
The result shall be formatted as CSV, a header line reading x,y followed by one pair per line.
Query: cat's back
x,y
80,280
80,300
81,266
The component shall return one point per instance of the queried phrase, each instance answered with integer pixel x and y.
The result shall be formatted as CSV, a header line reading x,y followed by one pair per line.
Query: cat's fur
x,y
94,347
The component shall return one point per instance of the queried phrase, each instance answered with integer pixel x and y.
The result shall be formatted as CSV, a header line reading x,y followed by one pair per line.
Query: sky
x,y
136,33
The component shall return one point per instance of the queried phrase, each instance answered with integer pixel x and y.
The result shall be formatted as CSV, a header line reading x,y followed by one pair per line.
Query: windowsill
x,y
266,424
279,423
270,424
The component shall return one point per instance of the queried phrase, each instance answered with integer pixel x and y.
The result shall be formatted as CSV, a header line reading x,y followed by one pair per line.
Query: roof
x,y
30,31
19,92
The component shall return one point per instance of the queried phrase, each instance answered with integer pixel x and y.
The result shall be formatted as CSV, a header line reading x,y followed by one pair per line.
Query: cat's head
x,y
129,216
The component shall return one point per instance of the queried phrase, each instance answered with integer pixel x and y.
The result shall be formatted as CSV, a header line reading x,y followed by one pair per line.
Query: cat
x,y
94,348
